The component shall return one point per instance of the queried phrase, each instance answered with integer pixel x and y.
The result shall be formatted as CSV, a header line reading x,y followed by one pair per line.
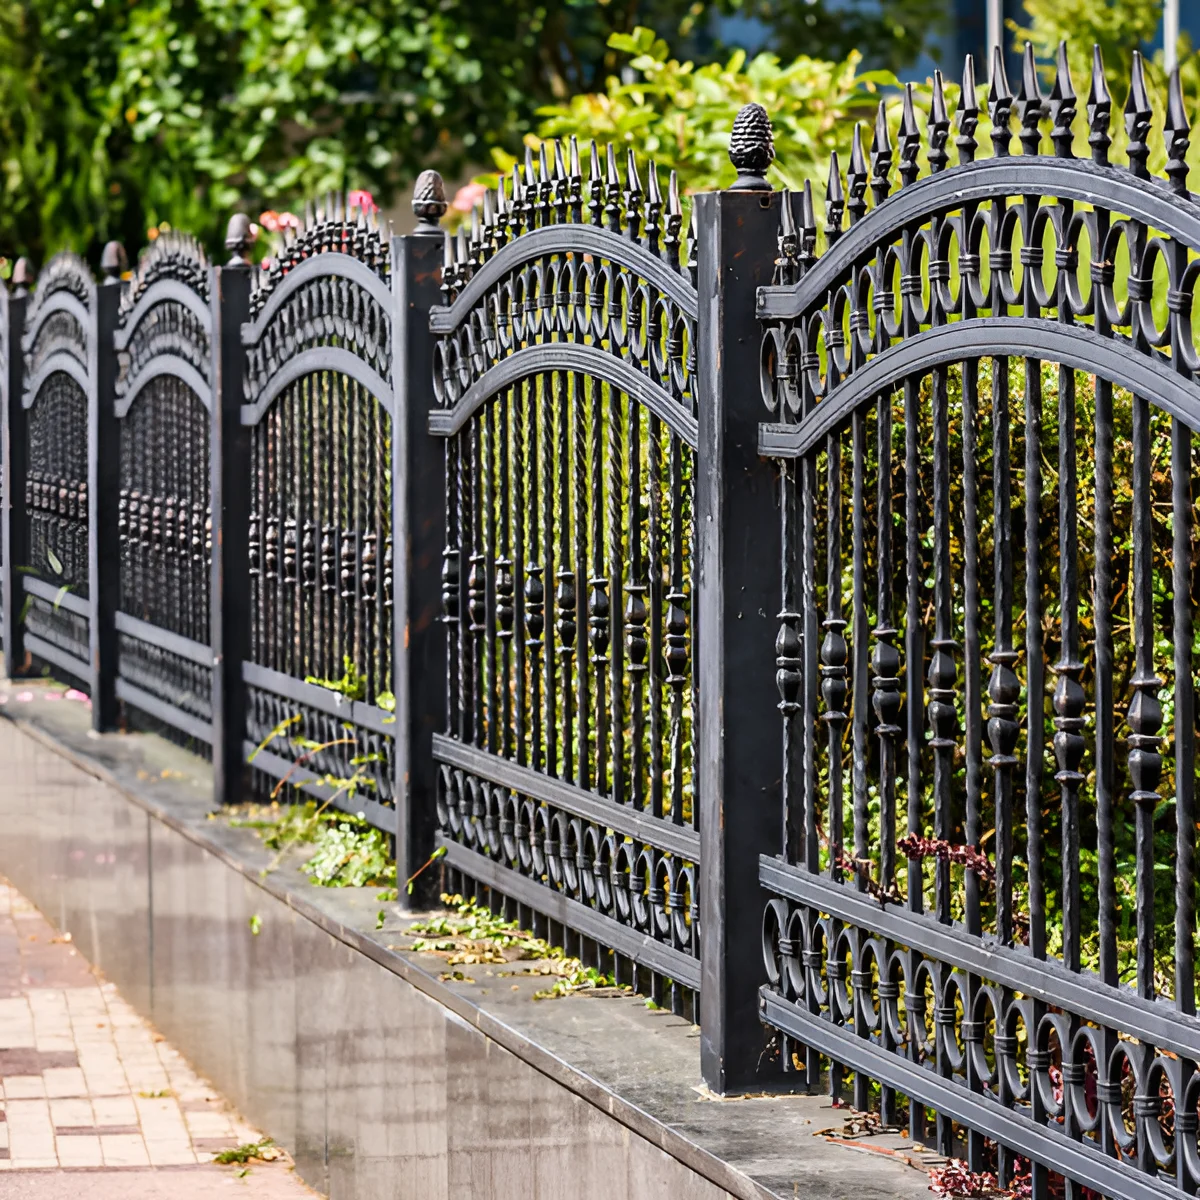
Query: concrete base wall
x,y
377,1089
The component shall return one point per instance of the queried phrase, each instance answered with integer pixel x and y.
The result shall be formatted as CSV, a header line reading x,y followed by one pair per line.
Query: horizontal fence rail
x,y
850,714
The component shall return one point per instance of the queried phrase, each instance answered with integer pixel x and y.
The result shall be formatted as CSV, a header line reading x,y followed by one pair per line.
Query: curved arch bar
x,y
60,361
57,302
163,291
155,368
565,239
1148,200
1020,337
323,358
562,356
317,267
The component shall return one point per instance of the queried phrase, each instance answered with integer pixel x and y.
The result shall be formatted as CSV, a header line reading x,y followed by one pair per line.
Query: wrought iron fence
x,y
563,377
982,913
491,538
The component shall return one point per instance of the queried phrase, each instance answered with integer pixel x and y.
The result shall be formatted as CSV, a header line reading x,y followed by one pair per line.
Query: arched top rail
x,y
311,362
572,239
319,266
560,356
160,365
60,361
1071,345
162,291
59,301
1114,188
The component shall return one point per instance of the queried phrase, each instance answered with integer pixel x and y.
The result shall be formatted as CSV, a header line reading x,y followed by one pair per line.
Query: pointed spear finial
x,y
595,186
1000,102
1029,103
835,200
808,226
462,255
632,195
1099,110
881,156
910,140
449,267
429,201
967,113
751,148
938,126
653,208
1176,130
519,214
674,220
574,180
856,177
1137,118
789,242
1062,105
612,189
23,277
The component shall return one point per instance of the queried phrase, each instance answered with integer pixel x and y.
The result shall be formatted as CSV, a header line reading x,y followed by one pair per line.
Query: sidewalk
x,y
95,1104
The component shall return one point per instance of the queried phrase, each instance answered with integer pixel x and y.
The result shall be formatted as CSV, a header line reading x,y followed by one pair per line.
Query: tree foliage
x,y
680,114
115,116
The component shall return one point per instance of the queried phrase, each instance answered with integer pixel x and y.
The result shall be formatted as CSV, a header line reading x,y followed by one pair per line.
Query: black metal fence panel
x,y
984,407
319,399
448,566
163,401
58,350
563,376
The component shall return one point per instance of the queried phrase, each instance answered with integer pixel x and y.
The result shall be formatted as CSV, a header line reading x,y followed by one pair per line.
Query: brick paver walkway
x,y
93,1102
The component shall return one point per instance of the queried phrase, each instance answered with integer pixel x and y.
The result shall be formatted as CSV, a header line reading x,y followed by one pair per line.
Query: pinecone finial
x,y
429,201
751,148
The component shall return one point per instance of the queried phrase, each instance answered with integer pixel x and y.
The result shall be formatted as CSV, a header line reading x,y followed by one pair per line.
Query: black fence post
x,y
14,523
104,484
418,528
738,772
229,482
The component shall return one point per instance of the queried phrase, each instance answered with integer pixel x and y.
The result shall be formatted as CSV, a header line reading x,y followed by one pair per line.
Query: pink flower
x,y
362,199
288,220
24,697
269,221
265,264
74,694
467,197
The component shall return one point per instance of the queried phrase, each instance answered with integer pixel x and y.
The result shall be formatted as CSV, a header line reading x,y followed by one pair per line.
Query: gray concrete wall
x,y
376,1089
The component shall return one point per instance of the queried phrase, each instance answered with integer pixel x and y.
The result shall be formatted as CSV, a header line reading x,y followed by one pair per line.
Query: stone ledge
x,y
637,1068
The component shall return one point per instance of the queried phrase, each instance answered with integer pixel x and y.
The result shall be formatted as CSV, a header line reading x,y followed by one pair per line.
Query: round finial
x,y
429,201
751,148
113,262
22,277
239,237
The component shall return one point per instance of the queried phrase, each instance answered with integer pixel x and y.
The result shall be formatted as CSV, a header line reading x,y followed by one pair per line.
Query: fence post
x,y
229,500
104,484
14,523
738,773
418,529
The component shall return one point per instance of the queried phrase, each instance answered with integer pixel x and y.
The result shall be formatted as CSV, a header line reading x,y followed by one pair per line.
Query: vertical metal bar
x,y
655,579
1145,711
418,523
616,574
14,516
738,588
229,475
104,484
